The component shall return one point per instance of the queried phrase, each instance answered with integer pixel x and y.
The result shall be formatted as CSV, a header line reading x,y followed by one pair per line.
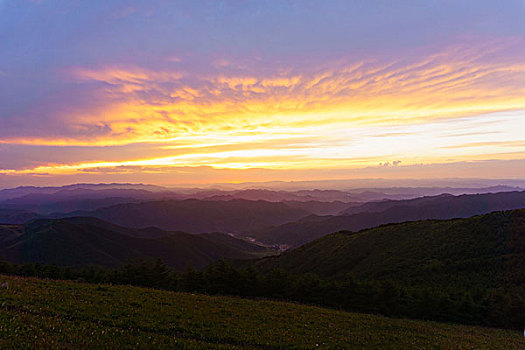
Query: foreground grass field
x,y
37,313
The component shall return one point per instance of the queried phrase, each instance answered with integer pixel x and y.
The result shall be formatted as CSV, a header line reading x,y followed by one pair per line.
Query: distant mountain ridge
x,y
20,191
461,205
82,199
25,196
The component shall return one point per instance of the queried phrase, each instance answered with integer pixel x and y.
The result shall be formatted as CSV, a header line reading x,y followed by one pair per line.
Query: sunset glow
x,y
175,105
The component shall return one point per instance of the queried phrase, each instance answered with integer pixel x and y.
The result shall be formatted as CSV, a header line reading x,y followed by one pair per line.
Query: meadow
x,y
43,313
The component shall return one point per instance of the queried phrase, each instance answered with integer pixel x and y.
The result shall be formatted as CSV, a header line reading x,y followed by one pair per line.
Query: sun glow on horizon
x,y
470,140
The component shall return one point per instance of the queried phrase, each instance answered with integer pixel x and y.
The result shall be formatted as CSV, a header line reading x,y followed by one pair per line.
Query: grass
x,y
36,313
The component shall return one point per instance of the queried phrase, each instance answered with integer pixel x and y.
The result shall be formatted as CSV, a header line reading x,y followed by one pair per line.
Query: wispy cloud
x,y
133,98
135,104
520,144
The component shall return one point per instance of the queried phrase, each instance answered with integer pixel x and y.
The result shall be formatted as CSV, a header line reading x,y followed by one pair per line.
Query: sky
x,y
202,92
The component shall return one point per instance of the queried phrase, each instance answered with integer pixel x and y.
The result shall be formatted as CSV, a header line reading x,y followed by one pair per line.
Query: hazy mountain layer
x,y
198,216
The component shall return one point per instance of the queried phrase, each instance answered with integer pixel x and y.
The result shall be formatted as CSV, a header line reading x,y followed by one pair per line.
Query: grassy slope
x,y
56,314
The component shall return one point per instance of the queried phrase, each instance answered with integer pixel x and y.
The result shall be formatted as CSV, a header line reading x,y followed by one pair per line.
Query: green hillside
x,y
38,313
486,251
90,241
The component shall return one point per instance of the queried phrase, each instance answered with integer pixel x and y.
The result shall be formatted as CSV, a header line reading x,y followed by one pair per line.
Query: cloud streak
x,y
179,95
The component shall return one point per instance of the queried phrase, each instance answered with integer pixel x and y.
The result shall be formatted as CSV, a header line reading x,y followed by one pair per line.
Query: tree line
x,y
500,307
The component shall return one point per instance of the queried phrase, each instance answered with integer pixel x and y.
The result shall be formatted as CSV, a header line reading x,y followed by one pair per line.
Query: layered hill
x,y
486,251
88,241
80,199
198,216
17,192
378,213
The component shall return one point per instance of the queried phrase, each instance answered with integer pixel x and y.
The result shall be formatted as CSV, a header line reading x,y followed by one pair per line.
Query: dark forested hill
x,y
198,216
87,241
379,213
237,243
15,216
486,250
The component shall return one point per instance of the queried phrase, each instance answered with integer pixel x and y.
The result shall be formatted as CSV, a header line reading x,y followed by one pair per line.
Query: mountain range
x,y
374,214
48,200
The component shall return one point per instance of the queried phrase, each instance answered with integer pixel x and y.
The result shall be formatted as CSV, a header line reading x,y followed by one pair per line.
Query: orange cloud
x,y
144,105
250,120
